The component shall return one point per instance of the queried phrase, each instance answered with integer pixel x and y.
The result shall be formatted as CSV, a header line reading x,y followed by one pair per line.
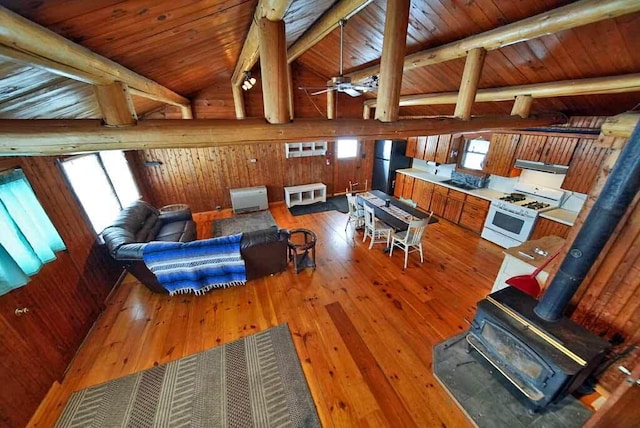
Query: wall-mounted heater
x,y
248,199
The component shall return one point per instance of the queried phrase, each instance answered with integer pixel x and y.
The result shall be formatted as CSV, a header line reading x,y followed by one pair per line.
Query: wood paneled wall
x,y
64,298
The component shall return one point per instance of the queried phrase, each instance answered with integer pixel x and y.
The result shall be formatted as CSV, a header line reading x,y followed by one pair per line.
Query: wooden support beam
x,y
331,104
273,10
563,18
621,125
469,83
343,9
290,92
393,50
26,42
238,102
274,70
116,104
522,106
187,112
52,137
366,113
562,88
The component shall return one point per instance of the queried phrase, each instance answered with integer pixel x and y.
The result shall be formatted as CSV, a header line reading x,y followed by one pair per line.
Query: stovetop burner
x,y
514,197
536,205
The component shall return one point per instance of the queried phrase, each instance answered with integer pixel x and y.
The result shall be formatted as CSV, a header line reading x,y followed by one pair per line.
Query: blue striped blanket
x,y
198,266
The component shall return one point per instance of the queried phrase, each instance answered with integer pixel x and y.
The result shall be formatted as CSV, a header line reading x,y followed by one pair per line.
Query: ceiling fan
x,y
343,83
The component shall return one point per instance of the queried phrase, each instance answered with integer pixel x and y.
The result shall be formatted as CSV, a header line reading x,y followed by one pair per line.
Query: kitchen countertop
x,y
561,216
483,193
550,244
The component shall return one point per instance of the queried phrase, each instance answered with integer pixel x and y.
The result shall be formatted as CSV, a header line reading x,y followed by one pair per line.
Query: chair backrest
x,y
353,205
357,186
369,217
416,230
408,202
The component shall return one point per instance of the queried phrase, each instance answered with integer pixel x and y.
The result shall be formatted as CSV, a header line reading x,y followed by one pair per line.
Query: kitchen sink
x,y
459,185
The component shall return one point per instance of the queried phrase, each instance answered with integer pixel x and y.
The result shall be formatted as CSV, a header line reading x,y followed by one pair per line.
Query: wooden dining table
x,y
394,222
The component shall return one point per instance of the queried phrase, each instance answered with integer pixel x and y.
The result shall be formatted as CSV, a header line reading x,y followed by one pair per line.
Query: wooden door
x,y
438,200
584,166
558,150
530,147
422,191
412,143
621,408
407,188
501,155
356,169
453,210
431,148
421,143
399,187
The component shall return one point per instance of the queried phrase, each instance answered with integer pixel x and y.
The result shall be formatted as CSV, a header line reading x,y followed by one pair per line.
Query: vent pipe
x,y
614,199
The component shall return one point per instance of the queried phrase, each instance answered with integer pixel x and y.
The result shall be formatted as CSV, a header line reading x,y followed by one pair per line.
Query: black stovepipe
x,y
616,195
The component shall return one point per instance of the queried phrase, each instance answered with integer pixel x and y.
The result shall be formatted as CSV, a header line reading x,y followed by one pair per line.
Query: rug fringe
x,y
204,290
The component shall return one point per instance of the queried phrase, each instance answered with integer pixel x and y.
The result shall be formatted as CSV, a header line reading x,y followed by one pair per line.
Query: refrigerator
x,y
387,158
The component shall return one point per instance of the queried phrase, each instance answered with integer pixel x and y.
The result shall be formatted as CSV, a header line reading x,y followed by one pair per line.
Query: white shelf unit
x,y
305,194
314,148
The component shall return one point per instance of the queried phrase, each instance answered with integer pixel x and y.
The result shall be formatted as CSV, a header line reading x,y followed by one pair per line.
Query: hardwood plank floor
x,y
363,328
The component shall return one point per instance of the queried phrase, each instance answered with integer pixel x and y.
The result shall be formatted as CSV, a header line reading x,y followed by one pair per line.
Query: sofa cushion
x,y
177,232
149,229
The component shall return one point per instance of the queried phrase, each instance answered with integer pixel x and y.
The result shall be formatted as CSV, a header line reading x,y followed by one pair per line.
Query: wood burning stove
x,y
543,354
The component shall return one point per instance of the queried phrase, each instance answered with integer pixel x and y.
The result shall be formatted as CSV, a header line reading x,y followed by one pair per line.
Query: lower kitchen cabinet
x,y
453,207
399,185
474,213
546,227
438,201
422,192
407,187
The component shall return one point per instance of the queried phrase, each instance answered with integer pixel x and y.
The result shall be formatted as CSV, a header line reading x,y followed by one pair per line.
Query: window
x,y
347,148
475,152
28,238
103,183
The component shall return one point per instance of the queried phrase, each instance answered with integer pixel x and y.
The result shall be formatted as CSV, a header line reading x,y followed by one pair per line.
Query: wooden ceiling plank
x,y
344,9
469,84
274,70
116,104
49,137
25,36
596,85
393,51
577,14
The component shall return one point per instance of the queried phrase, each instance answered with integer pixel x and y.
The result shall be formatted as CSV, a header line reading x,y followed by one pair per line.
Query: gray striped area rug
x,y
256,381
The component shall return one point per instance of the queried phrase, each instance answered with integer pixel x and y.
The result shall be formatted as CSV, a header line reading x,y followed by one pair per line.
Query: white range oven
x,y
511,219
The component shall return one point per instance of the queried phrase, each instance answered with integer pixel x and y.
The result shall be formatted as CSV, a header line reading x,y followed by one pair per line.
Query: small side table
x,y
302,249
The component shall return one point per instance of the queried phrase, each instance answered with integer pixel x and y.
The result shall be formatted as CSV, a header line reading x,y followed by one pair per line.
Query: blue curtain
x,y
28,238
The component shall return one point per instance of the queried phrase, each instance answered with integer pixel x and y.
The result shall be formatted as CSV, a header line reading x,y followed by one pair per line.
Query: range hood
x,y
541,166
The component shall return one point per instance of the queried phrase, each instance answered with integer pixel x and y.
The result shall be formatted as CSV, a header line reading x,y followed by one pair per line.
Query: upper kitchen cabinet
x,y
447,149
530,147
501,155
585,164
430,147
548,149
412,143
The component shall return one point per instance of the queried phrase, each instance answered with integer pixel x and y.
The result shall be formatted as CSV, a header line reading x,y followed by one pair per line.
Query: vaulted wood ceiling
x,y
188,46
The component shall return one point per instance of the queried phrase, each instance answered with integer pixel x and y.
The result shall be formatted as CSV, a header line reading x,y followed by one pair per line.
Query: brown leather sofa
x,y
264,251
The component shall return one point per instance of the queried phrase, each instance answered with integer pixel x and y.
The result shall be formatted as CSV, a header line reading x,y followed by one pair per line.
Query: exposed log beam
x,y
522,106
331,104
469,83
26,42
187,112
393,50
116,104
290,93
366,113
274,70
562,88
571,16
344,9
273,10
52,137
621,125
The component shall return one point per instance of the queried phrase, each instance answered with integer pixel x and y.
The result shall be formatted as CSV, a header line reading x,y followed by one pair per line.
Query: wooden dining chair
x,y
356,213
357,186
376,229
410,240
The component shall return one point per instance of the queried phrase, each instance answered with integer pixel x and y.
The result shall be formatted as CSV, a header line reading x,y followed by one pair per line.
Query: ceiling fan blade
x,y
352,92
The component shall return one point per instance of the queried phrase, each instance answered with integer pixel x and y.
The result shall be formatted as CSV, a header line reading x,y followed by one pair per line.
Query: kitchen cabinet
x,y
430,148
474,213
501,155
407,187
399,185
411,147
439,200
546,227
585,164
447,149
422,192
548,149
